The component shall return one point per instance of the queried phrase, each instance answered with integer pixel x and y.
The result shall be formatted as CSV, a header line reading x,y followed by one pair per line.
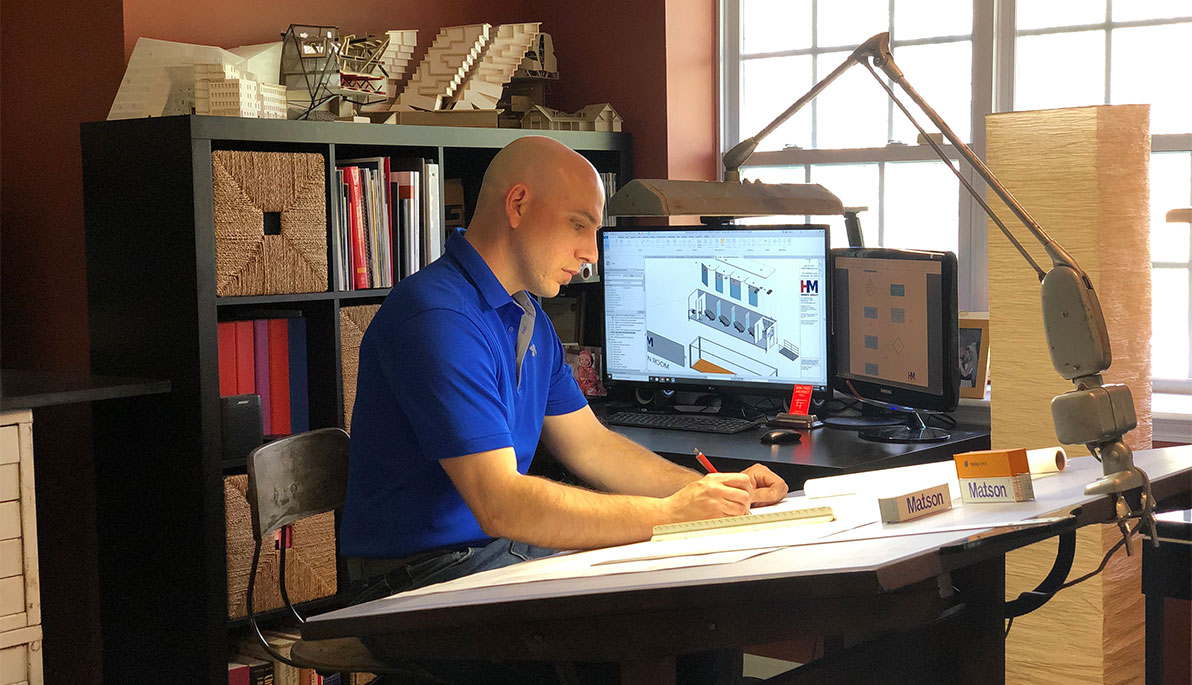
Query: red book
x,y
356,216
227,358
246,367
279,376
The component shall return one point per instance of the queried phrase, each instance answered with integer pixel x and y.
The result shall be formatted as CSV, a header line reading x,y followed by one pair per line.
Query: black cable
x,y
1104,562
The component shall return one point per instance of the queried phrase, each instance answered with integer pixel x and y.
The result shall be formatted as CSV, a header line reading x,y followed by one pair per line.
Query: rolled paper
x,y
1047,459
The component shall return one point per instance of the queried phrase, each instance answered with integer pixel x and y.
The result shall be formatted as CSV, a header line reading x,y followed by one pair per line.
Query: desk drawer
x,y
10,482
10,451
12,595
10,557
20,656
10,520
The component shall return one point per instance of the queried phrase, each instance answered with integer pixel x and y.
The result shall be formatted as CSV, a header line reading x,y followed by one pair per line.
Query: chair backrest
x,y
295,477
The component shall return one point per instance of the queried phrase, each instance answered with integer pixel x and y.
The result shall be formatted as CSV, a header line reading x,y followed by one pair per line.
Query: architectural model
x,y
160,79
444,68
502,56
599,117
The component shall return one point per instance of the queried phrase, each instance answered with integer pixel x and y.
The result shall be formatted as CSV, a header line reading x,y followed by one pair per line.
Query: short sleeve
x,y
443,374
564,395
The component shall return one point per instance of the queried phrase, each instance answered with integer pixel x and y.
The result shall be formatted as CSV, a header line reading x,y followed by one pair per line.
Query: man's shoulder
x,y
435,288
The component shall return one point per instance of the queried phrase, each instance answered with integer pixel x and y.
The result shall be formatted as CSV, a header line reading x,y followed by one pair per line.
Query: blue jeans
x,y
703,667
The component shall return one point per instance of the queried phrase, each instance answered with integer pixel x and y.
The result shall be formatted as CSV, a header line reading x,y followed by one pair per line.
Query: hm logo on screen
x,y
808,287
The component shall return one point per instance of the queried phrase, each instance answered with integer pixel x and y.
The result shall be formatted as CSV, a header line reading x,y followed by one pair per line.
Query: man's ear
x,y
516,202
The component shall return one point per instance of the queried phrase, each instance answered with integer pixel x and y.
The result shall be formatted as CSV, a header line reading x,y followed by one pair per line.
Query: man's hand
x,y
713,496
768,488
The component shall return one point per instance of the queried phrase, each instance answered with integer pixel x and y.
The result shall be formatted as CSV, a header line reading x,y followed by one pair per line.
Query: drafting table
x,y
948,585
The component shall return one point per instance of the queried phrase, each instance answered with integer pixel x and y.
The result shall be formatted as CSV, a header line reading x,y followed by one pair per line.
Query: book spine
x,y
246,368
388,214
299,390
227,358
434,199
359,259
260,331
279,375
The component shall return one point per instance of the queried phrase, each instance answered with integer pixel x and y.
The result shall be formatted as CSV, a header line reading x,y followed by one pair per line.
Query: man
x,y
461,374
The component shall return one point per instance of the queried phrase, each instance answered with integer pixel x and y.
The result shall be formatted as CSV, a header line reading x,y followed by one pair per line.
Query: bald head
x,y
547,168
537,215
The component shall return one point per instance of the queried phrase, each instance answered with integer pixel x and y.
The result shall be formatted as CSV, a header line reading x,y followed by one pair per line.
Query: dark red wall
x,y
654,60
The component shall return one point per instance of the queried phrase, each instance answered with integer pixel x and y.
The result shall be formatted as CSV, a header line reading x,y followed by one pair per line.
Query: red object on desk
x,y
801,399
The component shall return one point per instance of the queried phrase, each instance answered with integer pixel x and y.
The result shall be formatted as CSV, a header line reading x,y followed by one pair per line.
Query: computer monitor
x,y
894,338
716,308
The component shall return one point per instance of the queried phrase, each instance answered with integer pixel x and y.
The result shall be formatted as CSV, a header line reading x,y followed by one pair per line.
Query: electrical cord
x,y
1101,567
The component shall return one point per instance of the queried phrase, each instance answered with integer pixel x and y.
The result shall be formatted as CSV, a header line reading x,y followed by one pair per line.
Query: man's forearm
x,y
617,464
549,514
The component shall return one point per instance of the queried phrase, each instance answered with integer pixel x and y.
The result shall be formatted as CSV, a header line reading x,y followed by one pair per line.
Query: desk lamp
x,y
1095,413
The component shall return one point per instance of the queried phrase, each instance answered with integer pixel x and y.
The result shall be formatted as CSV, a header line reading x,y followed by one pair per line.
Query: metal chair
x,y
288,480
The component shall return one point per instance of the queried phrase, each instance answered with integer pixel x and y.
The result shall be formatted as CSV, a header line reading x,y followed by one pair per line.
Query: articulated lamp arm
x,y
1094,413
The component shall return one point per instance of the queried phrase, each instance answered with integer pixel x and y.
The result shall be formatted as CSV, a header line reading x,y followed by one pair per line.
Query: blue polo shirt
x,y
440,377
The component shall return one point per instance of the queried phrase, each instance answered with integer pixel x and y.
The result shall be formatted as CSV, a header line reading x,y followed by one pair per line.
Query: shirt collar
x,y
477,270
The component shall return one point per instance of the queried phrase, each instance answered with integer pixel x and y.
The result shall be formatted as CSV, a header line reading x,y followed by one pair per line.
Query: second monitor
x,y
895,328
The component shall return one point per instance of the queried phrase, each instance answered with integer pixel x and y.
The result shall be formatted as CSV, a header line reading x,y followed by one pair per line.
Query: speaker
x,y
241,428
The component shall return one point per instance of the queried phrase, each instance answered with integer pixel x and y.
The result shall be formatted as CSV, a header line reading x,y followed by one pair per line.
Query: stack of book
x,y
267,357
388,220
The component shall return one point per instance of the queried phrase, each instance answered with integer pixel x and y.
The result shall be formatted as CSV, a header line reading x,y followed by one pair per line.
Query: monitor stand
x,y
914,429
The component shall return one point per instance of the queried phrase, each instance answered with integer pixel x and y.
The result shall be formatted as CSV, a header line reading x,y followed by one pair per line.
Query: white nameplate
x,y
912,505
1001,489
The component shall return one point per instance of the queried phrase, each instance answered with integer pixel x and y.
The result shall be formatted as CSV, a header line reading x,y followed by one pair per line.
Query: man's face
x,y
558,233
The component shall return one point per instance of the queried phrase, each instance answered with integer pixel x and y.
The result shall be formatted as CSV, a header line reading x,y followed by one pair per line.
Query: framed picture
x,y
585,366
974,353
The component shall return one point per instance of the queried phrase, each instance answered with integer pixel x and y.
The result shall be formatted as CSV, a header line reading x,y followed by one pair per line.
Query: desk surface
x,y
472,608
822,451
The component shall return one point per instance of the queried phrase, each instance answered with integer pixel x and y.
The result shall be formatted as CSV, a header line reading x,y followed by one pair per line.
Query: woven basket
x,y
310,562
246,186
353,321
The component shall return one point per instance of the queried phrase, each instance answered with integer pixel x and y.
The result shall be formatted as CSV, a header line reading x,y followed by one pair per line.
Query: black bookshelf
x,y
150,249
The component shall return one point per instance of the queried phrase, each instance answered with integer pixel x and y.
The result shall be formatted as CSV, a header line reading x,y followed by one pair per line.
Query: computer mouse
x,y
780,437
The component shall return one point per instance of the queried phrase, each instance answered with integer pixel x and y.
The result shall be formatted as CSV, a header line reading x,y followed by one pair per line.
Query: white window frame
x,y
993,41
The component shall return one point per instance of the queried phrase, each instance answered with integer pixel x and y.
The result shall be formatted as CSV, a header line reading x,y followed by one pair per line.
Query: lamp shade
x,y
650,197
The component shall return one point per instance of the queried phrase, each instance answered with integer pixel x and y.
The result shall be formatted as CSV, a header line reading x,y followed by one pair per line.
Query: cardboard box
x,y
994,476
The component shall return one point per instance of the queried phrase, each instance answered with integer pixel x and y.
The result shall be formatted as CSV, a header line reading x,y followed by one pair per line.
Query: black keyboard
x,y
700,423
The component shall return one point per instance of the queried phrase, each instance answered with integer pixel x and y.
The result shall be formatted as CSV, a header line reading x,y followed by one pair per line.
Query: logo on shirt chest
x,y
533,352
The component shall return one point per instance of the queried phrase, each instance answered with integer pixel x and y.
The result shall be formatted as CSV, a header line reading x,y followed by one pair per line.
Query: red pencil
x,y
705,463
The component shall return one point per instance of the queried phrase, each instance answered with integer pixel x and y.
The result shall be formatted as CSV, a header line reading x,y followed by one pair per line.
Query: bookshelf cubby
x,y
153,313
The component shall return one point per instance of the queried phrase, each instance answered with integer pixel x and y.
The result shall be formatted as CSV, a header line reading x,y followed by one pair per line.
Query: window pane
x,y
848,24
1128,10
1169,323
768,87
943,75
1041,14
856,186
776,174
852,112
1059,70
1171,187
928,19
1149,65
921,209
773,25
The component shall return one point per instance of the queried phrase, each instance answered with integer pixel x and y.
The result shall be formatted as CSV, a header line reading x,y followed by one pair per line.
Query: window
x,y
1050,53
